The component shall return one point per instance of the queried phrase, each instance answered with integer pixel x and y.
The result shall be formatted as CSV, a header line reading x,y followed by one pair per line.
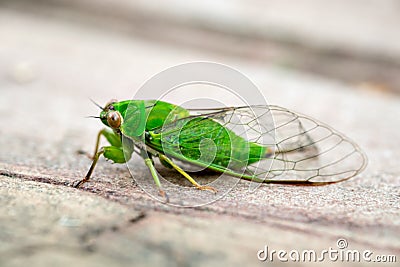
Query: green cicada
x,y
289,148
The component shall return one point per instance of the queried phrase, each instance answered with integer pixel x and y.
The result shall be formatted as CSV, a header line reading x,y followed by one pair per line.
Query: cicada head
x,y
111,115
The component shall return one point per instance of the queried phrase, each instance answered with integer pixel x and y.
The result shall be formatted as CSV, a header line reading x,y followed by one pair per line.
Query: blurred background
x,y
354,42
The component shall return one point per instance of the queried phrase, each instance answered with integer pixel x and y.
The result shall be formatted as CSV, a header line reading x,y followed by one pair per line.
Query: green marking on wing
x,y
195,138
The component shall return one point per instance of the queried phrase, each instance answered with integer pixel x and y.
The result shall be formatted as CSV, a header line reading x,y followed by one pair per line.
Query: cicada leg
x,y
111,137
150,164
96,147
115,152
89,173
187,176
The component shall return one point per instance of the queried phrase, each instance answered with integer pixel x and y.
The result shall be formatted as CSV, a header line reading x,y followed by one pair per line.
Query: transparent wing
x,y
308,149
297,148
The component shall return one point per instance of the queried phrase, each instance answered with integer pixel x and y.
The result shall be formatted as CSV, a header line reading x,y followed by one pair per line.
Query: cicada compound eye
x,y
114,119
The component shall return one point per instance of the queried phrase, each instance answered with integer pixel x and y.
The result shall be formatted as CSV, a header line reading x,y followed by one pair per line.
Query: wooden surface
x,y
54,57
